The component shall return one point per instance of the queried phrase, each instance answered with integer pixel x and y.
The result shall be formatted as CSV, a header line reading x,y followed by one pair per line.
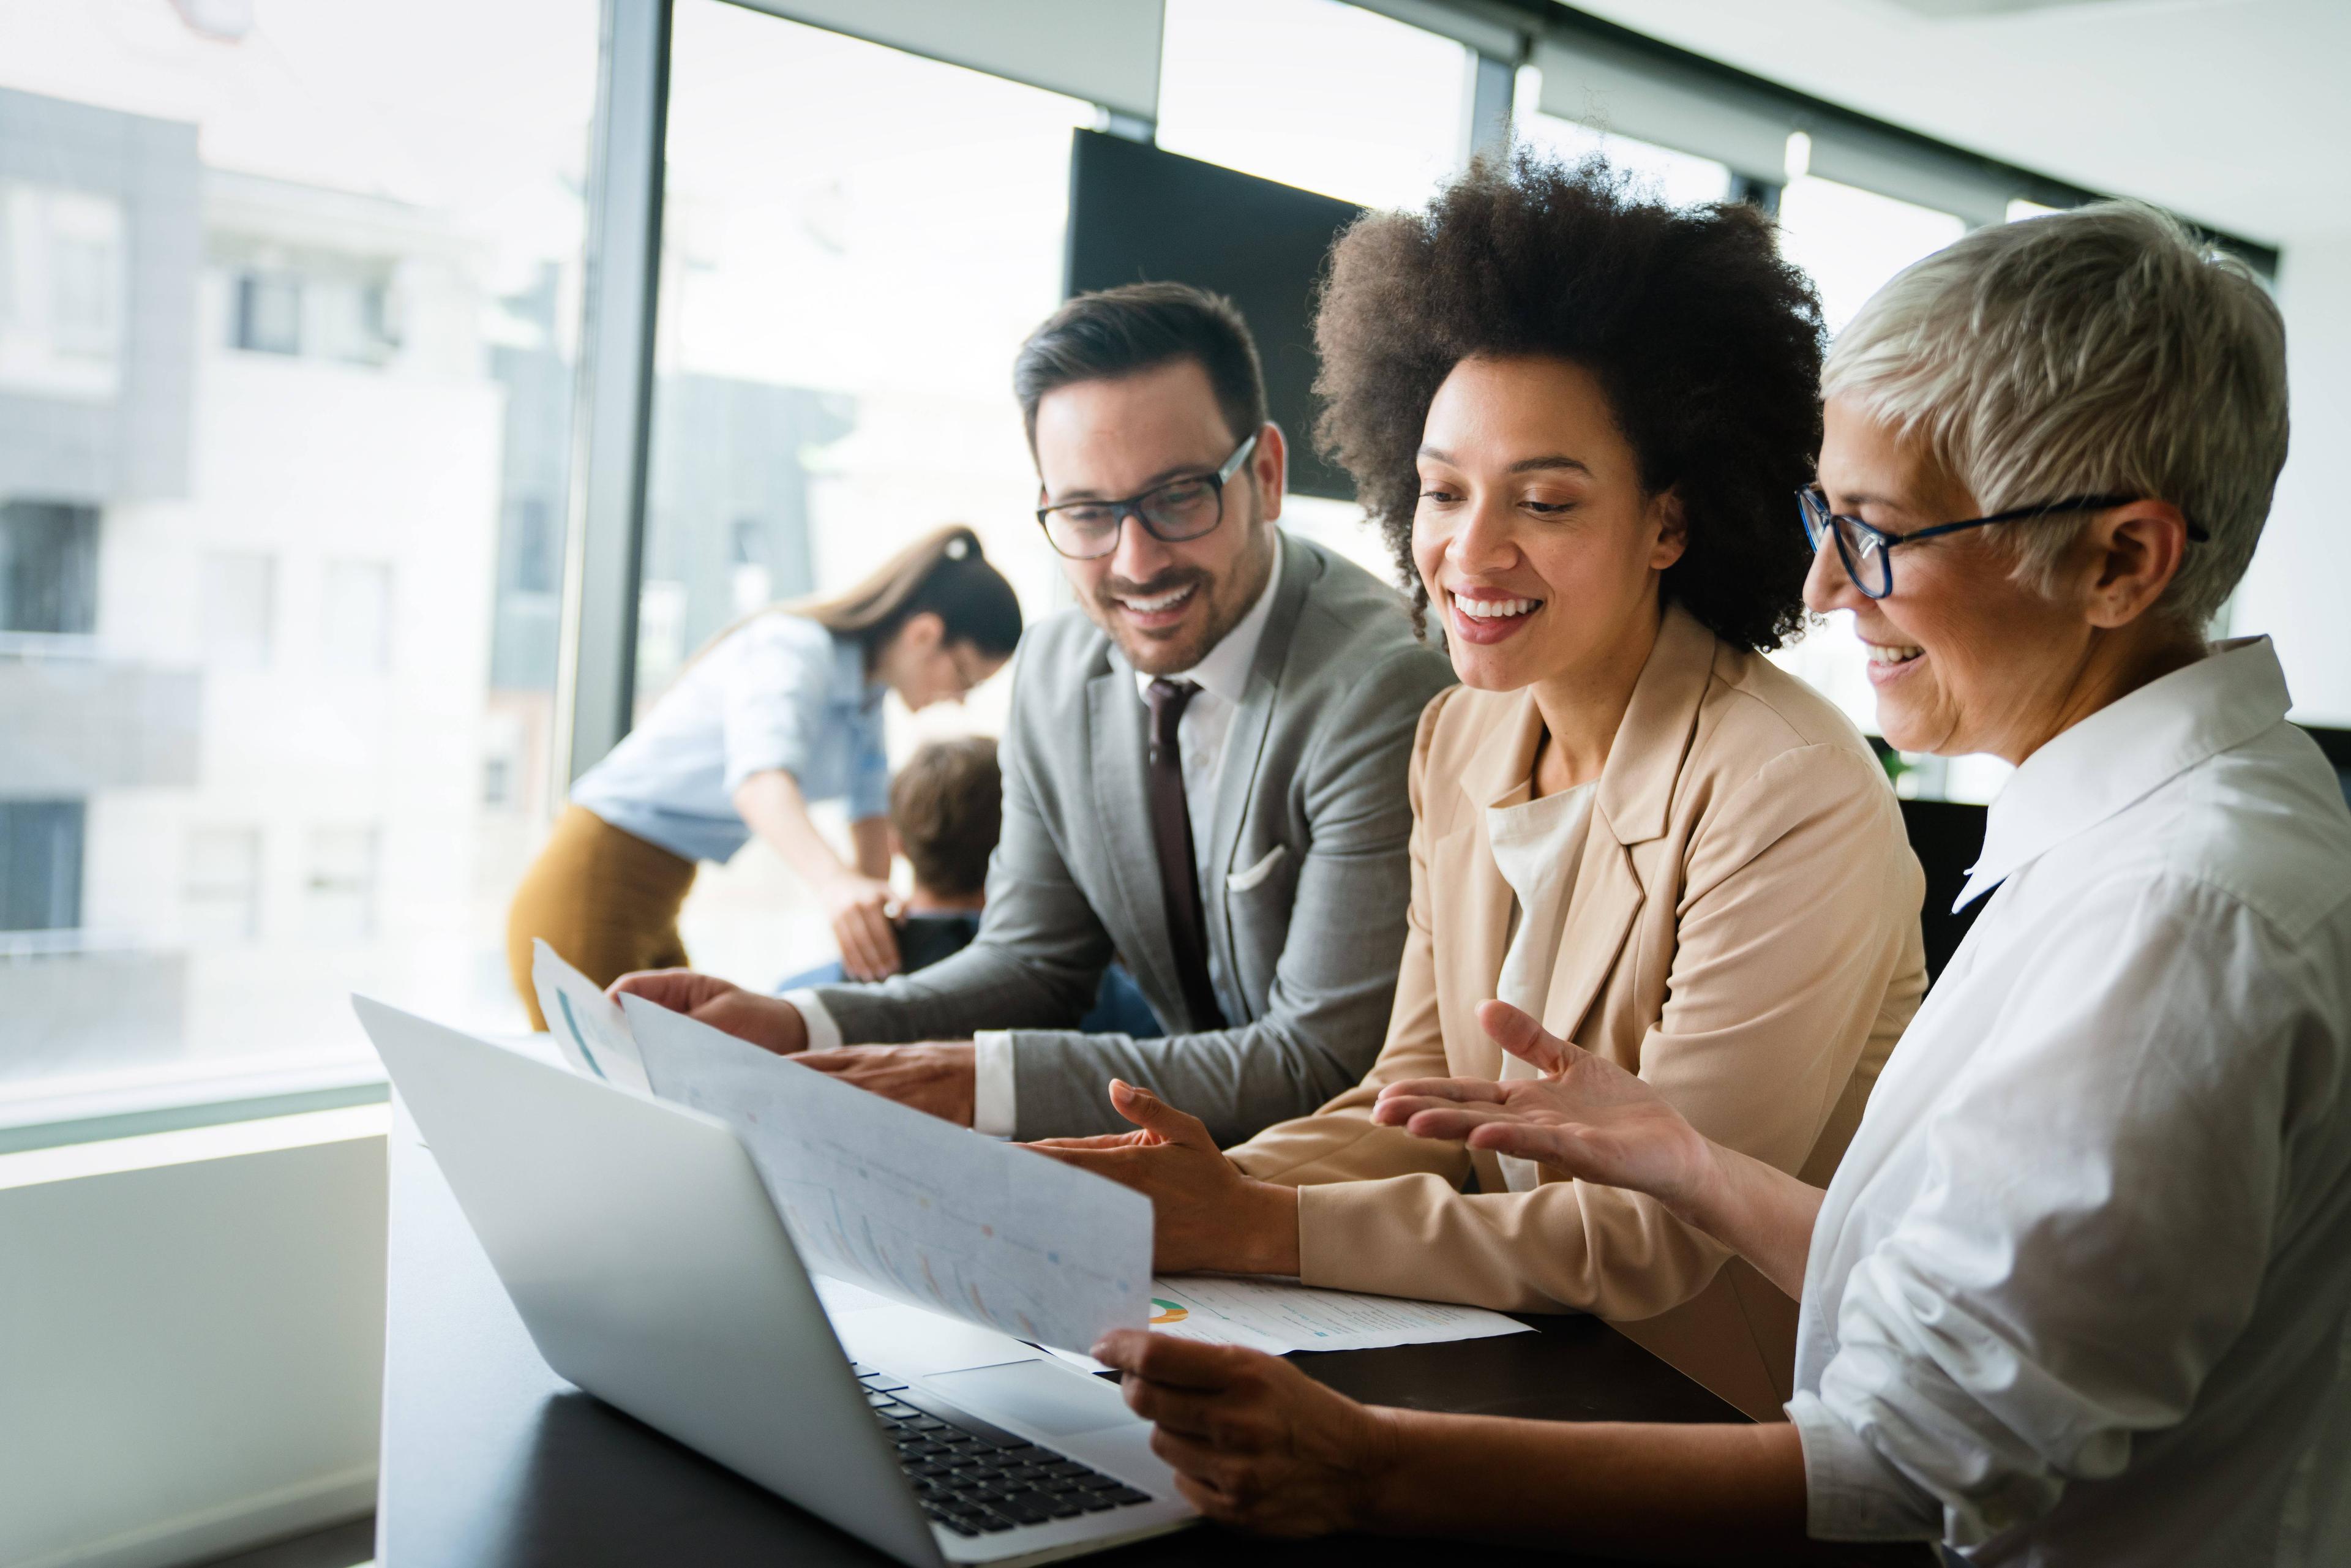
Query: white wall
x,y
191,1353
2299,587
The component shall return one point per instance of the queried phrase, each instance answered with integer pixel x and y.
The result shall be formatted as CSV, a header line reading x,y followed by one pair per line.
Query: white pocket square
x,y
1242,881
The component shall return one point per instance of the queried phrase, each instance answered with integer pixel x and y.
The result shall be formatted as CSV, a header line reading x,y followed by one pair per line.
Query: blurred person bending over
x,y
780,709
1204,771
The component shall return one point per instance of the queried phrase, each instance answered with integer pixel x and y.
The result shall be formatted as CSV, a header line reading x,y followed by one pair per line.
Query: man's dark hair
x,y
1706,342
1140,327
947,805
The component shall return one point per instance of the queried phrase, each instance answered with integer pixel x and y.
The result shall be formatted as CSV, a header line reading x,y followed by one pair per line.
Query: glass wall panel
x,y
855,242
1680,179
287,295
1314,93
1853,242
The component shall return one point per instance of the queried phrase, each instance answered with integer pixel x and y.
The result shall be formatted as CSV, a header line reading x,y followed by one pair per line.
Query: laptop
x,y
650,1267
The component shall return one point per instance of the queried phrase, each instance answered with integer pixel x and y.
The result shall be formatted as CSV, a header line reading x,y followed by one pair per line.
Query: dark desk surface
x,y
490,1459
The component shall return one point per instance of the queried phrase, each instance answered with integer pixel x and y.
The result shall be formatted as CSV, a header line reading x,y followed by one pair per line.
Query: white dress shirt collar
x,y
1224,669
2126,750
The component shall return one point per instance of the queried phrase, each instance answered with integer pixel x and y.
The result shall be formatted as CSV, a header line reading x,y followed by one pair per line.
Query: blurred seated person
x,y
946,809
2080,1293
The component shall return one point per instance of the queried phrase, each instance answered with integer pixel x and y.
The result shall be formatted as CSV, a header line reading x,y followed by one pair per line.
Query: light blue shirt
x,y
782,692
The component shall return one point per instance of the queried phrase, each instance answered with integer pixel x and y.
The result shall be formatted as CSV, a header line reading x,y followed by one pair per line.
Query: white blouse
x,y
1536,844
2080,1291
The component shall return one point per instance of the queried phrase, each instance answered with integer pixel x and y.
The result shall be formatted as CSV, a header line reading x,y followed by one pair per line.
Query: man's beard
x,y
1228,601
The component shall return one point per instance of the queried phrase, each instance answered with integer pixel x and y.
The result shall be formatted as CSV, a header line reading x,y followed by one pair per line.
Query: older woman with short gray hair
x,y
2081,1289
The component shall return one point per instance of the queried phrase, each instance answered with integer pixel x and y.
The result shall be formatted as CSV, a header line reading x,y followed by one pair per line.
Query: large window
x,y
834,362
1854,241
284,297
288,303
1314,93
1680,179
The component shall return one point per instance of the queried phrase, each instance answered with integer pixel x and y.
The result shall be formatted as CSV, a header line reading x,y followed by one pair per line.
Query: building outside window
x,y
259,353
270,313
339,897
220,891
62,283
48,569
40,865
355,626
239,609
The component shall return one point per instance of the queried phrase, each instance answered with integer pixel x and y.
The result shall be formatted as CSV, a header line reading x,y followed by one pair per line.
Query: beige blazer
x,y
1744,932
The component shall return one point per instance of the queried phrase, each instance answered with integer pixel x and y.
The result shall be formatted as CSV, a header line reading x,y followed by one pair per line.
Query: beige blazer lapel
x,y
1470,902
1599,916
1630,807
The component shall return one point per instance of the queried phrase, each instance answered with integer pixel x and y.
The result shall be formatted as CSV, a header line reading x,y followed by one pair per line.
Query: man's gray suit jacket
x,y
1307,881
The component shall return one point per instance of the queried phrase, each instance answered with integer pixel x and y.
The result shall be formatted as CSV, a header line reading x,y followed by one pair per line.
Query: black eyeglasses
x,y
1171,513
1869,552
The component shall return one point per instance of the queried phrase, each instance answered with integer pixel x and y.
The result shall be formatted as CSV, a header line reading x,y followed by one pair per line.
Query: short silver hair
x,y
2098,352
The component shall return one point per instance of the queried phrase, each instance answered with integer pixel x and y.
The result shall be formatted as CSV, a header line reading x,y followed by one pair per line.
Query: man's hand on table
x,y
767,1022
937,1076
1205,1213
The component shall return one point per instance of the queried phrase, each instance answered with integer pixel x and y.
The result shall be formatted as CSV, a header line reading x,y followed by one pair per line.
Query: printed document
x,y
587,1028
1280,1315
924,1212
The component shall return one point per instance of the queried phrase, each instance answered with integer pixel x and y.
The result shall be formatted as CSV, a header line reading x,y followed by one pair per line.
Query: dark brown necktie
x,y
1171,834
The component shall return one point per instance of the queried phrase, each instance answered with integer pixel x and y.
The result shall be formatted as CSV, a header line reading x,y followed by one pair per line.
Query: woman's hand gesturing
x,y
1585,1116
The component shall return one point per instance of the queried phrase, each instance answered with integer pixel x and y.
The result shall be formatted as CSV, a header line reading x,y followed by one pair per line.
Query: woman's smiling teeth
x,y
1891,653
1494,609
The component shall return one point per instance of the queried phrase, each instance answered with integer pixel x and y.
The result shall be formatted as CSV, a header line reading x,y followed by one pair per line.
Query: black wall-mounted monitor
x,y
1141,214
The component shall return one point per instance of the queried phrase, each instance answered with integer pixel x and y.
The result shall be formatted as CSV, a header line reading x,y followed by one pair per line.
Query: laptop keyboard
x,y
976,1479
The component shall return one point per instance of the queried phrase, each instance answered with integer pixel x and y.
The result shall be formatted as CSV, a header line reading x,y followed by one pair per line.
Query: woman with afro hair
x,y
1577,416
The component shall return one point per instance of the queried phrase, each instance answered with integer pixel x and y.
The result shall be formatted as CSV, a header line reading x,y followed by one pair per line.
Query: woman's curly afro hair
x,y
1706,344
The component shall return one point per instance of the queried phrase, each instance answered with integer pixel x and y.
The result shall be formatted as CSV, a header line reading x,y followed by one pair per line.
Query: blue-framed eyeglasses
x,y
1869,552
1171,513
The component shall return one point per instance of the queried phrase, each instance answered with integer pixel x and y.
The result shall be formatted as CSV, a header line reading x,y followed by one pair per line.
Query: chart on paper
x,y
905,1204
587,1028
1280,1316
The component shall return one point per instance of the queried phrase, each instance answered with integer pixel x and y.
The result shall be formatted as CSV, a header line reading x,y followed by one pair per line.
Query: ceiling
x,y
2233,112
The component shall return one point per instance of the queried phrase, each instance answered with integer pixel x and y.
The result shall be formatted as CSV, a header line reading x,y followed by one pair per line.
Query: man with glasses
x,y
1204,775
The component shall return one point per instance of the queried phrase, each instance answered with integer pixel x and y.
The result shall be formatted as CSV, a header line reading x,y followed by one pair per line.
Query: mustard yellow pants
x,y
605,900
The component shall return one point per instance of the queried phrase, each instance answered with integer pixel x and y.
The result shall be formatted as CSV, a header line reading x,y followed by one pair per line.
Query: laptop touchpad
x,y
1036,1394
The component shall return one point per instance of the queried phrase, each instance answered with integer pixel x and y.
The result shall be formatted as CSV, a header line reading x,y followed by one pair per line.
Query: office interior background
x,y
394,397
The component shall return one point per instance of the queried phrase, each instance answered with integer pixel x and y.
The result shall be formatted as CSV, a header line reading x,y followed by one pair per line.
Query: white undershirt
x,y
1537,846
